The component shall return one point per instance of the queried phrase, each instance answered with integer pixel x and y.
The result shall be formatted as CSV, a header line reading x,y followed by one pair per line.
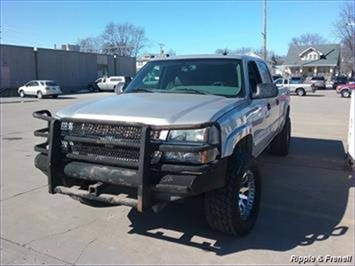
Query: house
x,y
141,61
313,60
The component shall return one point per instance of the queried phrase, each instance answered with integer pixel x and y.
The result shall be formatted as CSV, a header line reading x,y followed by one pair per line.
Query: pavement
x,y
307,205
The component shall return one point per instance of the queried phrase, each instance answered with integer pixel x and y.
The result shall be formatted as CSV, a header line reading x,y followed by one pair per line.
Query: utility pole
x,y
264,33
161,45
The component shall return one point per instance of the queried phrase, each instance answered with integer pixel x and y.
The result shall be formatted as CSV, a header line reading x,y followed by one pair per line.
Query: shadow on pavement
x,y
304,199
309,95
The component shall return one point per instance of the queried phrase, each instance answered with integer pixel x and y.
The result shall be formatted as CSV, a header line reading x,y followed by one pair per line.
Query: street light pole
x,y
264,33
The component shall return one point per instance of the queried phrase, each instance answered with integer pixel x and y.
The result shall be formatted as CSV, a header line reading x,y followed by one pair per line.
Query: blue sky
x,y
187,27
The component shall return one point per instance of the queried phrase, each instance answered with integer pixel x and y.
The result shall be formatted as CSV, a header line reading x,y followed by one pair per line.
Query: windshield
x,y
198,76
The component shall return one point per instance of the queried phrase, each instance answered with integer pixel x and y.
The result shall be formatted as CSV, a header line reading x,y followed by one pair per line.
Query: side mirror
x,y
120,87
265,90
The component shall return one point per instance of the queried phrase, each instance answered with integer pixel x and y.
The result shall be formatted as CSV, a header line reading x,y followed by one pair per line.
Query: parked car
x,y
345,90
194,132
109,83
318,82
296,85
338,80
40,88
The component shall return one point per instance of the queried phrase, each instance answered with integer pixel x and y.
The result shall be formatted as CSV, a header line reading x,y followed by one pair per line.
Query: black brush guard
x,y
153,183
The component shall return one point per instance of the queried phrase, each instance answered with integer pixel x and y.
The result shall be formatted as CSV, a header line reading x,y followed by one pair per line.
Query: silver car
x,y
40,88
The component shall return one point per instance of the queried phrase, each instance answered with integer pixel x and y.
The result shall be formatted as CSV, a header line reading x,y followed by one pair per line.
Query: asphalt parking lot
x,y
307,202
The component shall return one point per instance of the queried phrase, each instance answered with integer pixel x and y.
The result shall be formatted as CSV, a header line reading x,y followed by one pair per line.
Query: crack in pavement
x,y
84,248
22,193
36,251
60,233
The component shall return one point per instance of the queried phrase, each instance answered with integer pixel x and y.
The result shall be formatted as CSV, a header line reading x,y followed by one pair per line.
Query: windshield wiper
x,y
189,90
141,90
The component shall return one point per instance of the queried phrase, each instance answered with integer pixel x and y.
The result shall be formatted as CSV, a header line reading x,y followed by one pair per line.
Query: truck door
x,y
261,111
102,84
273,104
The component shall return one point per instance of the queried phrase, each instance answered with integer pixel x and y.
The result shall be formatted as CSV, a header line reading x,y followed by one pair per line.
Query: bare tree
x,y
308,39
90,45
344,30
123,39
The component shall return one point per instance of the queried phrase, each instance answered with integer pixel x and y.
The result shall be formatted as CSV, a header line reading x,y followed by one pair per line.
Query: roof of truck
x,y
207,56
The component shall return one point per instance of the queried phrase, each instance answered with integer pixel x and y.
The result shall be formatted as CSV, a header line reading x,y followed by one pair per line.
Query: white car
x,y
40,88
109,83
296,85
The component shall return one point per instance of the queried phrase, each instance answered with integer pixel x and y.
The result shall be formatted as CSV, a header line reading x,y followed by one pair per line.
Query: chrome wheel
x,y
246,194
345,93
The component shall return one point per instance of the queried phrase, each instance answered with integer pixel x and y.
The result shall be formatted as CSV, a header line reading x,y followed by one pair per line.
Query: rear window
x,y
51,83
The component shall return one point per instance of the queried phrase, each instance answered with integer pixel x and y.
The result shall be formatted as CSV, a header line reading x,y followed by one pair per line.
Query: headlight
x,y
193,137
204,135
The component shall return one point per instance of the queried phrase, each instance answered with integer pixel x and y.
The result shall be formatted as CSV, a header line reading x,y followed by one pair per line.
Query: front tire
x,y
281,144
300,92
345,93
22,94
233,209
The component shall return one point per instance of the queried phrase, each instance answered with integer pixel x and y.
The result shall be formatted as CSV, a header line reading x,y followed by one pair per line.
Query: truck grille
x,y
86,134
102,131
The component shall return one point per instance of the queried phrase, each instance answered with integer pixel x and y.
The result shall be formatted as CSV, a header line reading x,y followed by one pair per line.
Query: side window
x,y
35,83
29,84
253,76
151,80
264,71
278,82
286,81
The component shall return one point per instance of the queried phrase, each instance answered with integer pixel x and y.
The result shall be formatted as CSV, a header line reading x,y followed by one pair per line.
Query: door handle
x,y
268,106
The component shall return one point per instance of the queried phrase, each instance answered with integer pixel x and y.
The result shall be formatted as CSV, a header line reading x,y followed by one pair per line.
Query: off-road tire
x,y
345,93
281,144
222,205
39,95
300,92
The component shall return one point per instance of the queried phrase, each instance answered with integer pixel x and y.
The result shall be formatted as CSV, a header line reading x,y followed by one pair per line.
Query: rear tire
x,y
300,92
233,209
281,144
55,96
22,94
345,93
39,95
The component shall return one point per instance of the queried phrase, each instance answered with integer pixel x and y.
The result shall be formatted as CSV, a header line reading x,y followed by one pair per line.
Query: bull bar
x,y
101,179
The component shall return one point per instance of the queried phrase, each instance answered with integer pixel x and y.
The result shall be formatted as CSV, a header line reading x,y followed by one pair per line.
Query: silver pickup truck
x,y
296,86
184,126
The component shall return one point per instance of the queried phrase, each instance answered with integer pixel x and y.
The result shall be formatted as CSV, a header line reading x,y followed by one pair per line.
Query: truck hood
x,y
152,108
